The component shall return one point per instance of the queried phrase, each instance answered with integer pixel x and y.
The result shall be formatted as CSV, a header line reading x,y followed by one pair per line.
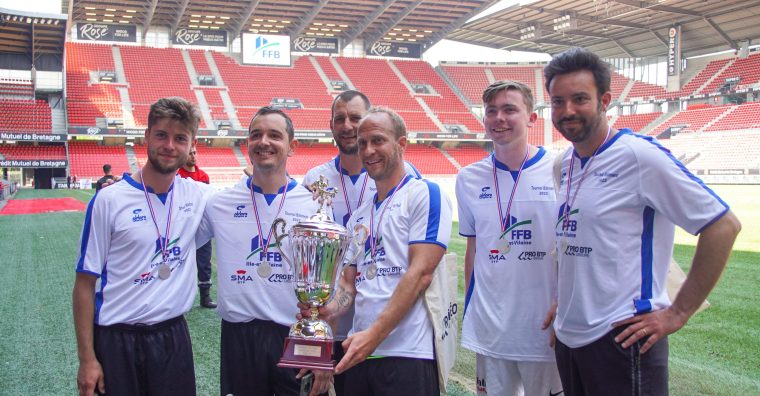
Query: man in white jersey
x,y
256,295
346,173
390,348
619,198
136,269
506,212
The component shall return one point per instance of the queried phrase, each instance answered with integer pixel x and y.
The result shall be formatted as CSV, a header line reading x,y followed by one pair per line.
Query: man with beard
x,y
506,205
620,195
255,286
191,170
347,174
390,348
136,269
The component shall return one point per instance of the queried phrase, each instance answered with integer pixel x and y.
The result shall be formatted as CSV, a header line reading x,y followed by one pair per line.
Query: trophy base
x,y
306,353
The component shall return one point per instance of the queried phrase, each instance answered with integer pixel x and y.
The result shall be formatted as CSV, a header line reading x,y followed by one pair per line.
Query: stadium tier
x,y
25,116
692,120
87,159
29,152
747,70
88,99
635,122
12,88
466,154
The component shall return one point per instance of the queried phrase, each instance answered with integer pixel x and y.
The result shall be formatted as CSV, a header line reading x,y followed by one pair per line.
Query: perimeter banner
x,y
32,137
33,163
200,37
394,49
106,32
322,45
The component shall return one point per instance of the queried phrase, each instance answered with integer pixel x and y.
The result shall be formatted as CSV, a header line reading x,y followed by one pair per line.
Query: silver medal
x,y
505,246
371,271
164,271
265,269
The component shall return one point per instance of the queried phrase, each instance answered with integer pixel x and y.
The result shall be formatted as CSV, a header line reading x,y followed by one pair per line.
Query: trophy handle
x,y
361,232
279,236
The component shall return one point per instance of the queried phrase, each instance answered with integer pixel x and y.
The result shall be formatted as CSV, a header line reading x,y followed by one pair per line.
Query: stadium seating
x,y
13,88
635,122
466,154
693,119
429,160
471,81
30,152
742,117
89,100
25,116
87,159
523,74
747,69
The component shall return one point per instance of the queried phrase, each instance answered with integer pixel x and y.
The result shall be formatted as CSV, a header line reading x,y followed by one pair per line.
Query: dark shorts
x,y
249,355
339,380
604,367
146,360
393,376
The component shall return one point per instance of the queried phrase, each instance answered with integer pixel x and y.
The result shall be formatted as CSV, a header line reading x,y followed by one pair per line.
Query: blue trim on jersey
x,y
709,223
86,236
404,181
466,236
683,169
270,197
428,242
342,171
647,259
605,146
99,294
434,211
530,162
416,173
134,183
469,292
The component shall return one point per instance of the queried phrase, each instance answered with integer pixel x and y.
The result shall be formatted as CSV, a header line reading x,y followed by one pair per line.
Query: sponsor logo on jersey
x,y
144,279
516,233
281,278
543,190
257,255
173,251
187,207
605,176
566,225
485,193
138,216
578,251
241,277
530,256
239,214
480,383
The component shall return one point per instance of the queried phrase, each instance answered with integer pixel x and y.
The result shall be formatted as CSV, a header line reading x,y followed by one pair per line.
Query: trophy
x,y
318,246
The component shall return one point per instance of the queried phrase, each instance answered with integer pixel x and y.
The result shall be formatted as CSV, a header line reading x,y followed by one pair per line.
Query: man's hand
x,y
89,377
652,326
548,320
110,181
323,379
357,346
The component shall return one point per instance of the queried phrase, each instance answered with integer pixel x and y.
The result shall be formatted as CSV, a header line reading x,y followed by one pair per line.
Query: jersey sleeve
x,y
429,215
466,218
310,177
96,237
205,229
669,188
411,170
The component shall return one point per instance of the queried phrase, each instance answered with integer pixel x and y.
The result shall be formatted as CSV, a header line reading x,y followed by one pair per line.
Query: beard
x,y
162,168
348,150
586,125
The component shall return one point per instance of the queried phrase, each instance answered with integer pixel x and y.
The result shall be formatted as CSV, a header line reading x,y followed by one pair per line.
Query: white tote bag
x,y
442,308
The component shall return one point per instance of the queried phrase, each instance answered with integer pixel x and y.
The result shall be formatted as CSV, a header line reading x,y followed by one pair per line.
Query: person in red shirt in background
x,y
203,254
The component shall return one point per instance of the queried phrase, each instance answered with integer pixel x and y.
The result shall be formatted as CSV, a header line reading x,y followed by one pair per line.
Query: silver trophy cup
x,y
318,247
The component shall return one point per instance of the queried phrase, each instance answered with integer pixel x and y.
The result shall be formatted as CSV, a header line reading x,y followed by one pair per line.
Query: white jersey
x,y
120,245
511,290
358,189
418,213
253,279
615,248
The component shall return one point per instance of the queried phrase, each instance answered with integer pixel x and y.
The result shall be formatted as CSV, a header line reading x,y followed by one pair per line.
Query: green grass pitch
x,y
715,354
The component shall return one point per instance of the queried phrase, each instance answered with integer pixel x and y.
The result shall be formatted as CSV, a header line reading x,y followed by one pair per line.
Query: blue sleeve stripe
x,y
467,235
434,211
647,258
709,223
682,167
99,294
429,242
84,271
86,233
416,173
469,292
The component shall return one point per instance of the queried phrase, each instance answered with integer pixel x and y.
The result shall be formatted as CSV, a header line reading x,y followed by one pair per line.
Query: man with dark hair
x,y
390,347
620,195
191,170
346,173
506,204
255,287
108,176
136,269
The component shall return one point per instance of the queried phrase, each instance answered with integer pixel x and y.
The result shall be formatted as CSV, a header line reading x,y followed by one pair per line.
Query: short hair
x,y
266,110
347,96
576,59
505,85
177,109
106,168
397,123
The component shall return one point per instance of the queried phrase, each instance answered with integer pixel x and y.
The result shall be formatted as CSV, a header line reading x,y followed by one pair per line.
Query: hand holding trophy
x,y
318,247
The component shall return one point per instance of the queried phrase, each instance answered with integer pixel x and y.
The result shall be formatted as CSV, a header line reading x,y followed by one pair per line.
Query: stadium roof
x,y
31,33
419,21
616,28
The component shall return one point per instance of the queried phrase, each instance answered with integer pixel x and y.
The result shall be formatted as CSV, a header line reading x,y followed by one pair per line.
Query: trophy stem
x,y
314,313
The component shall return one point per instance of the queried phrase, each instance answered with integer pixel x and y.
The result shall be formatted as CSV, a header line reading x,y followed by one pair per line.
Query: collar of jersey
x,y
540,154
407,178
270,197
605,146
340,169
134,183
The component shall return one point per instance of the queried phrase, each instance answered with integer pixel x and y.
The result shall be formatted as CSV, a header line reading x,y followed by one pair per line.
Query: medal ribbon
x,y
373,235
502,224
264,246
568,202
343,186
162,244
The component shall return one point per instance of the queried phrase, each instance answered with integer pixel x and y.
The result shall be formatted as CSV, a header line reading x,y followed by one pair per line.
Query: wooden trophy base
x,y
306,353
